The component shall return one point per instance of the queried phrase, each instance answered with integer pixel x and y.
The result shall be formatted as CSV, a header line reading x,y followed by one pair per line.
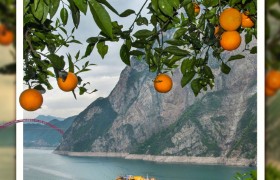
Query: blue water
x,y
44,165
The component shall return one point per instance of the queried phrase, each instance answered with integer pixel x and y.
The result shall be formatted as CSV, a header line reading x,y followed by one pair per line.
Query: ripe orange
x,y
230,40
269,92
196,8
230,19
31,99
69,84
246,21
272,79
6,36
163,83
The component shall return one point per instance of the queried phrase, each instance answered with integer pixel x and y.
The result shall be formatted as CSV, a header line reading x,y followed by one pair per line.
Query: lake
x,y
44,165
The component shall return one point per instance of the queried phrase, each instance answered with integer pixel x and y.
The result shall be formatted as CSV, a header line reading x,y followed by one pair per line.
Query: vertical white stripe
x,y
19,88
261,97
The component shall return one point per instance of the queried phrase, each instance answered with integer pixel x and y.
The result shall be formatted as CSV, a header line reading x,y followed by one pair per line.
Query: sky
x,y
103,76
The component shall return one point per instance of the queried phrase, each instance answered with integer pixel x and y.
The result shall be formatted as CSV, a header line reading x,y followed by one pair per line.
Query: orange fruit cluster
x,y
32,99
6,36
272,82
163,83
230,20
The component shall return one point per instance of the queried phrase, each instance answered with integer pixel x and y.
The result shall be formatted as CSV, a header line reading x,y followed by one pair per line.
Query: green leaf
x,y
82,90
57,61
101,17
70,62
92,40
75,13
77,55
136,53
25,3
124,54
82,5
176,51
54,4
142,20
253,50
102,49
187,64
208,72
233,2
45,13
40,88
176,42
89,50
38,10
75,41
179,33
165,7
196,86
64,16
225,68
144,33
189,8
36,4
104,2
248,37
235,57
187,78
210,3
174,3
127,13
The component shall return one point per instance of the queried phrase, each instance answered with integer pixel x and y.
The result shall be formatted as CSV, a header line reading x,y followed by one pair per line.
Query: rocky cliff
x,y
136,119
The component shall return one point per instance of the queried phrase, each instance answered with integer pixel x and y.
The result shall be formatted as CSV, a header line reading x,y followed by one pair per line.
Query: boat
x,y
131,177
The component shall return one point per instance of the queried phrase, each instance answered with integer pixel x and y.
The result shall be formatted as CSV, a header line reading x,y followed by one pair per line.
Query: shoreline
x,y
166,159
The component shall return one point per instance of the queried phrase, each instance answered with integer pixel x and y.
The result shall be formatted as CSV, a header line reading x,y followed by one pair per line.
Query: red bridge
x,y
32,120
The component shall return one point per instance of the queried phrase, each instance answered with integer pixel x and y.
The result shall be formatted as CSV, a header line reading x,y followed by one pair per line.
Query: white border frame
x,y
260,91
19,88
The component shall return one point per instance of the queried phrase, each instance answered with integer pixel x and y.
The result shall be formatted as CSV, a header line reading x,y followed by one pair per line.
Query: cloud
x,y
102,77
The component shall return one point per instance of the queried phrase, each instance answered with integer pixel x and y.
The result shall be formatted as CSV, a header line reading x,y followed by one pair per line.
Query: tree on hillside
x,y
202,29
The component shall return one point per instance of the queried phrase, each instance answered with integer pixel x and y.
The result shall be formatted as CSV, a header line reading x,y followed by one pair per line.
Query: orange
x,y
230,19
246,21
69,84
272,79
216,31
196,8
6,36
230,40
163,83
31,99
269,92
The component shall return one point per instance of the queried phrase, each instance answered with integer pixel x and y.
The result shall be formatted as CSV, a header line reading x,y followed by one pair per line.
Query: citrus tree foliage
x,y
189,48
8,19
272,36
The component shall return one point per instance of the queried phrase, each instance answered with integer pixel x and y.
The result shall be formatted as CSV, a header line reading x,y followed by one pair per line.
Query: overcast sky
x,y
103,77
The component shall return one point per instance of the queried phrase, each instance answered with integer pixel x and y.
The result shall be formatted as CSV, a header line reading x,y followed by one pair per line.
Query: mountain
x,y
38,135
136,119
48,118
